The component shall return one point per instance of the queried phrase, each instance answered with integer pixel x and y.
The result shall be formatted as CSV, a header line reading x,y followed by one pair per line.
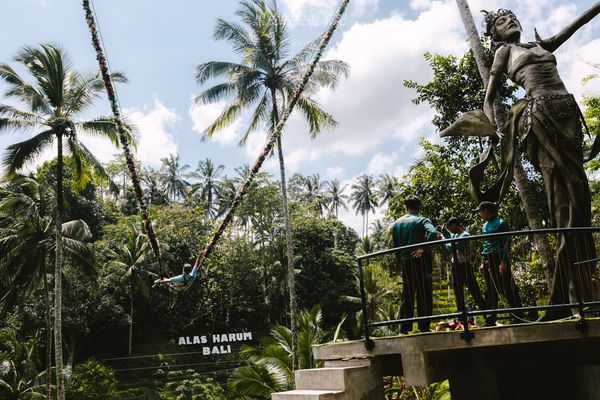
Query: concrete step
x,y
308,395
332,378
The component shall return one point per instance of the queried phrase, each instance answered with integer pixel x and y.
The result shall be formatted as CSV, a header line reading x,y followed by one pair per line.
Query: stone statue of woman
x,y
547,123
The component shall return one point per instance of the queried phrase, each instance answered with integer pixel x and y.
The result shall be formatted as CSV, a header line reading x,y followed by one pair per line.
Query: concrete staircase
x,y
331,383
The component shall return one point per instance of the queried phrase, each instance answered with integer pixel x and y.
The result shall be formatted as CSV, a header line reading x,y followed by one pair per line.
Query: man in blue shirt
x,y
495,261
462,272
179,283
414,265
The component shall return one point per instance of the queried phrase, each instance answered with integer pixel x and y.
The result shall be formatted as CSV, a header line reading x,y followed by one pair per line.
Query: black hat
x,y
412,201
454,221
486,205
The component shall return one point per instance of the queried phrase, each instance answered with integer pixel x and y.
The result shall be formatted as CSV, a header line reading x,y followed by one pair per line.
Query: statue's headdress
x,y
490,18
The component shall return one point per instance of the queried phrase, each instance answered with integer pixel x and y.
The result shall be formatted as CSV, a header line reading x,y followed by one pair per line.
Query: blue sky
x,y
158,43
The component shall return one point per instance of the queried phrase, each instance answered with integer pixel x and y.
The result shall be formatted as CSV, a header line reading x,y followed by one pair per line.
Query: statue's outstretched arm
x,y
557,40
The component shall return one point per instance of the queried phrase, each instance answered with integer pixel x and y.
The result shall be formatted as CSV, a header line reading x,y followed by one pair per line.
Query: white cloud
x,y
297,7
335,172
381,163
372,106
362,7
204,115
312,12
254,146
421,4
155,138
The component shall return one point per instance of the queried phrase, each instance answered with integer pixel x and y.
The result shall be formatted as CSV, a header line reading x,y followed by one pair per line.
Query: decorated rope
x,y
266,150
114,104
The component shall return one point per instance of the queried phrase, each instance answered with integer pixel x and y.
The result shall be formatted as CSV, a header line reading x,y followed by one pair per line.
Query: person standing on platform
x,y
462,272
495,261
415,265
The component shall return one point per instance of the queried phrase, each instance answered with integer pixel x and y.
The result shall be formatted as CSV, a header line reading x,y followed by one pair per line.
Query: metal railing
x,y
463,313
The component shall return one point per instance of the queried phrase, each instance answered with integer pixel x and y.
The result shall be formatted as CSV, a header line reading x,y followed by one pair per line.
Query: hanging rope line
x,y
268,147
116,110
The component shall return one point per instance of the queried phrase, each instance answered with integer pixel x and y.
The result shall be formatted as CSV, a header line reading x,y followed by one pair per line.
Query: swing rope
x,y
268,147
121,130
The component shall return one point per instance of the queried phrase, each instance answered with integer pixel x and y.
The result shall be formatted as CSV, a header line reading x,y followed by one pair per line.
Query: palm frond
x,y
215,93
317,118
234,33
259,114
24,91
213,69
233,109
103,126
81,92
18,154
49,66
77,229
14,113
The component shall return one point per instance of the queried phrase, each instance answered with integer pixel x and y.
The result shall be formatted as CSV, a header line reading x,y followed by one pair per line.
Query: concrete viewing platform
x,y
553,360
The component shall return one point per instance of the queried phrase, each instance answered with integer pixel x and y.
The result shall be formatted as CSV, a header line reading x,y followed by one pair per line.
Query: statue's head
x,y
502,25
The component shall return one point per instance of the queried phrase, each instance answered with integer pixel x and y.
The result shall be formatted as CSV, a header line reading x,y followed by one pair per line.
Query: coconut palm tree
x,y
173,177
53,101
267,80
363,198
135,263
312,193
19,379
151,180
210,180
27,245
335,196
380,233
379,290
387,188
270,366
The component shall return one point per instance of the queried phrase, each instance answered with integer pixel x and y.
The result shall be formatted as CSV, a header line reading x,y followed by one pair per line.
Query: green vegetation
x,y
77,265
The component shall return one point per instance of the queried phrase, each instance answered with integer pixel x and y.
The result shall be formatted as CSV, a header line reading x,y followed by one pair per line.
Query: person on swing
x,y
179,283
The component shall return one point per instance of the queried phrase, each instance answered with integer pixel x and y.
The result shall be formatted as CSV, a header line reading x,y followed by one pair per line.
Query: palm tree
x,y
311,193
363,198
172,177
209,177
387,188
54,99
134,260
27,245
270,366
379,290
266,79
152,187
19,379
335,196
380,233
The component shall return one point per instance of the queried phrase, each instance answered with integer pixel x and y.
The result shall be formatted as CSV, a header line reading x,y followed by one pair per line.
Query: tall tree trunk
x,y
208,198
288,239
48,335
58,353
524,185
130,322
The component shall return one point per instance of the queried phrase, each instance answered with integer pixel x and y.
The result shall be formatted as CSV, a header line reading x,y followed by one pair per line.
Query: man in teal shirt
x,y
415,265
462,272
179,283
495,261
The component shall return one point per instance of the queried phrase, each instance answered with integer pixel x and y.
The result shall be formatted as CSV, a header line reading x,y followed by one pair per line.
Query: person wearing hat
x,y
414,265
462,272
495,257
